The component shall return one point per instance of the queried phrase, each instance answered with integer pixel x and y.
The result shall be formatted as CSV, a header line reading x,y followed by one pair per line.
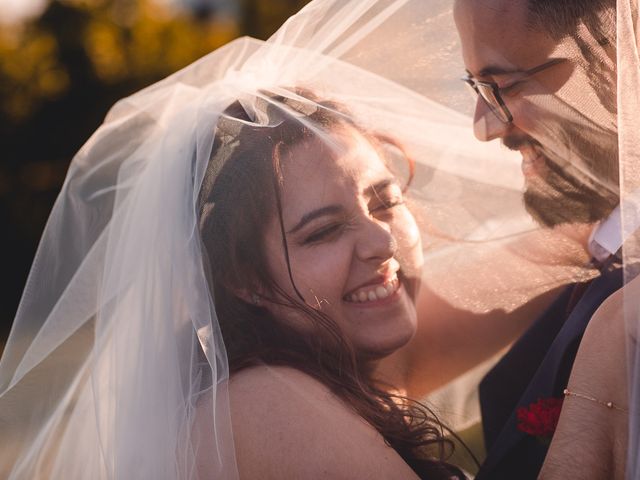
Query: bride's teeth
x,y
376,293
381,292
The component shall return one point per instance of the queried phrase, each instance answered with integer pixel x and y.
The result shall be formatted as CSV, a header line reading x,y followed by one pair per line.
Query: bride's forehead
x,y
345,153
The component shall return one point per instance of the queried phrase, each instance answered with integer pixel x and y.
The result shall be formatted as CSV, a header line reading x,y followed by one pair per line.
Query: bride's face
x,y
354,246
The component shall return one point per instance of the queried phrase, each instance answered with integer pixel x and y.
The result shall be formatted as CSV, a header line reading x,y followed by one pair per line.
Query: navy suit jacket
x,y
537,366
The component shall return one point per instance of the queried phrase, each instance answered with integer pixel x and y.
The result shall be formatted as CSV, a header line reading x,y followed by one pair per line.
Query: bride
x,y
229,260
313,283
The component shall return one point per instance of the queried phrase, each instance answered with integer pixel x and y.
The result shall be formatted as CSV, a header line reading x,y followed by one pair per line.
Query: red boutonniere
x,y
540,419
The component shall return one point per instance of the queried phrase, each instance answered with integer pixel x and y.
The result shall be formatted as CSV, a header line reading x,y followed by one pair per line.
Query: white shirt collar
x,y
607,236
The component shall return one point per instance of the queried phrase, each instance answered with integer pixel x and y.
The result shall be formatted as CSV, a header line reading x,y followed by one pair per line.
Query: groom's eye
x,y
512,88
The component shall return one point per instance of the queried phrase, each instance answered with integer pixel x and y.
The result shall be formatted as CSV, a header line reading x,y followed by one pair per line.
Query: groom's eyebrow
x,y
493,70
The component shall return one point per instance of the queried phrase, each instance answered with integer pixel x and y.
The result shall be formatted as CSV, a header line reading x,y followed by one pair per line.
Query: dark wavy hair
x,y
236,202
561,18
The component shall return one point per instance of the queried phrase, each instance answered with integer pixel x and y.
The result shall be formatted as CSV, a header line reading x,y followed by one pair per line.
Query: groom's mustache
x,y
516,143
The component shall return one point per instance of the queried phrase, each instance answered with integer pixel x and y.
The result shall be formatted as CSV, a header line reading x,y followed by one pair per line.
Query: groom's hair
x,y
561,18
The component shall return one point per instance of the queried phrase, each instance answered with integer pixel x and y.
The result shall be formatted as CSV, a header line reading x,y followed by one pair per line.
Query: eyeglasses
x,y
491,93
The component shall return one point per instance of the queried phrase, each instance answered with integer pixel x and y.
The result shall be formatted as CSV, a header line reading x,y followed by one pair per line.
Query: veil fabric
x,y
116,337
628,24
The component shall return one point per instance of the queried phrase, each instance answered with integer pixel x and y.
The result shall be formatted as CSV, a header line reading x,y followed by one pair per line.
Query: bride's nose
x,y
375,241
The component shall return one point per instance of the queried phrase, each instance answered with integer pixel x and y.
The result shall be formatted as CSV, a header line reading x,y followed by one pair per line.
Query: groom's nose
x,y
486,125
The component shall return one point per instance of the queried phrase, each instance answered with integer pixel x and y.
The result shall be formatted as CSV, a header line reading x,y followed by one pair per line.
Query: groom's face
x,y
564,119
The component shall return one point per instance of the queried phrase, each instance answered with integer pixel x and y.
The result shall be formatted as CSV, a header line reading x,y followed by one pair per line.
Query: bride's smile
x,y
374,291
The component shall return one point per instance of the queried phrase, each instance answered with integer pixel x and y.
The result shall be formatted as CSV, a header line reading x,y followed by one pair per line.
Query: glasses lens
x,y
487,92
471,88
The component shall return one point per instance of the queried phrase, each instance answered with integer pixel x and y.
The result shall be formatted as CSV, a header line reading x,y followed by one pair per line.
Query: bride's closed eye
x,y
386,199
386,204
326,232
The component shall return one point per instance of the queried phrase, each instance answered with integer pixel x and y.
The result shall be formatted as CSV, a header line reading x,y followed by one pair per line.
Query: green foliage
x,y
263,17
109,42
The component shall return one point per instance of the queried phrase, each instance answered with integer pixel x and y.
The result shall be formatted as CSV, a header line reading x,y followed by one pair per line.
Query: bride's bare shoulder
x,y
264,382
289,425
284,405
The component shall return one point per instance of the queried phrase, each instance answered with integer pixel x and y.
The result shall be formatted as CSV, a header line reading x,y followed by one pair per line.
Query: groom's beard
x,y
561,198
561,194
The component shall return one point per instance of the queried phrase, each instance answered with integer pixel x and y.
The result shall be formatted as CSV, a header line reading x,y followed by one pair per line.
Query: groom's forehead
x,y
497,31
490,11
501,25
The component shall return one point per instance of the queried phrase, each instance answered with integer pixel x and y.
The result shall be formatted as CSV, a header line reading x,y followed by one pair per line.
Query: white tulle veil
x,y
116,337
628,26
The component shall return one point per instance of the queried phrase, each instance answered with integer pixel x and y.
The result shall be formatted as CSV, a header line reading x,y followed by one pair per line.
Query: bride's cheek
x,y
407,235
321,269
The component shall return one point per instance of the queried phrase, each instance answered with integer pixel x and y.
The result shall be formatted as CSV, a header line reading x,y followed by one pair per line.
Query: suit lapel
x,y
504,385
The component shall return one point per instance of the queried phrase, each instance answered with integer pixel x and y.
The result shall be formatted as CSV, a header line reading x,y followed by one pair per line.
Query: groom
x,y
545,78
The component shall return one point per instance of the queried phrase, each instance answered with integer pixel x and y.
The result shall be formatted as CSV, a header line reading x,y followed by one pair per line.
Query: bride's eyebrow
x,y
312,215
372,191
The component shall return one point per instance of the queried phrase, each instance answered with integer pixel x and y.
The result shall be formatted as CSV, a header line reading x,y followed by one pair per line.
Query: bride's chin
x,y
377,354
401,333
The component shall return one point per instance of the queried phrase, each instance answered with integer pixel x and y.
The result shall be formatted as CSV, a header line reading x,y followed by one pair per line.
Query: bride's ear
x,y
253,296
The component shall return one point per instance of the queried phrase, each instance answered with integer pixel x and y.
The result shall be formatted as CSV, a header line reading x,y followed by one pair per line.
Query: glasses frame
x,y
497,105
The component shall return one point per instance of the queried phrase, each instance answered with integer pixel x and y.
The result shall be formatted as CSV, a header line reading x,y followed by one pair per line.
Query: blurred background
x,y
63,63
